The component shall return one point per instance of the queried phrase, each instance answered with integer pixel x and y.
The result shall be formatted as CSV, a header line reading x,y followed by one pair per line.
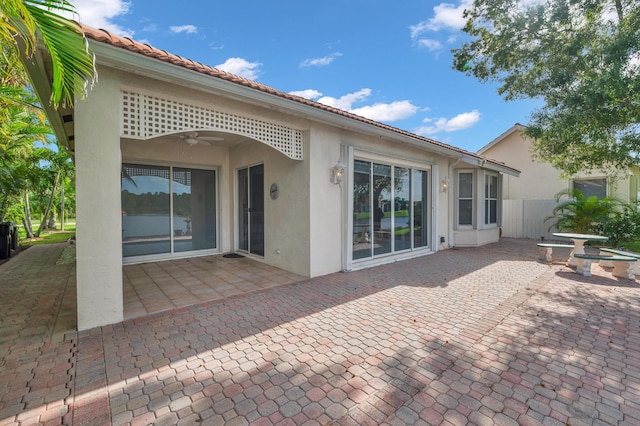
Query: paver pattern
x,y
470,336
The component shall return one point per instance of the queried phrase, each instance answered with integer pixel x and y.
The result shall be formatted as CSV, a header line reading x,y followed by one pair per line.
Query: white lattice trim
x,y
145,116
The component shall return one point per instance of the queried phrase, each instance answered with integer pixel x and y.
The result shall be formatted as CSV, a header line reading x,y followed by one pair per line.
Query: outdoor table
x,y
578,243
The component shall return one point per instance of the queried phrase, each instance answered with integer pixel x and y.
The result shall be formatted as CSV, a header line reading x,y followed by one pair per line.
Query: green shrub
x,y
624,225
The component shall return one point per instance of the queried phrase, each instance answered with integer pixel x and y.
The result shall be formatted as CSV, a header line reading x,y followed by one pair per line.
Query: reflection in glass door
x,y
166,210
390,209
251,209
194,209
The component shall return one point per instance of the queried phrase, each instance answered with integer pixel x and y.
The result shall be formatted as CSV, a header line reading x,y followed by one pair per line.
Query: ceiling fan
x,y
192,138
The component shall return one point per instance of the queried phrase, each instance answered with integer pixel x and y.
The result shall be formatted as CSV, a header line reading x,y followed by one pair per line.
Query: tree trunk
x,y
26,221
43,223
62,207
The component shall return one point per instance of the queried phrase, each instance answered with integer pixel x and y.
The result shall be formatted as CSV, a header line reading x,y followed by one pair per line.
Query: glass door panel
x,y
243,209
402,209
194,209
420,209
256,210
362,219
382,209
251,209
146,220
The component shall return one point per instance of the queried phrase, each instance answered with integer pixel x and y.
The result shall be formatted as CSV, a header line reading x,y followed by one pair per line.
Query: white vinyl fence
x,y
525,219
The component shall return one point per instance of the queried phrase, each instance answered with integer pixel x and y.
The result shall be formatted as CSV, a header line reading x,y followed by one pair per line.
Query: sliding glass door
x,y
251,209
390,209
167,210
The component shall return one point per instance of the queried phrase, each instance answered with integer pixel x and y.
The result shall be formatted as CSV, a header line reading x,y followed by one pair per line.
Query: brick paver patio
x,y
466,336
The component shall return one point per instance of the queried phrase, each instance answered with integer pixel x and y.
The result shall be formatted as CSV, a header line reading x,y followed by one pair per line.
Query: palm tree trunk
x,y
43,223
26,221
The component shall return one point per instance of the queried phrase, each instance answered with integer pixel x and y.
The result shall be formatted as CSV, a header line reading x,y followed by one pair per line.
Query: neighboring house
x,y
529,198
176,159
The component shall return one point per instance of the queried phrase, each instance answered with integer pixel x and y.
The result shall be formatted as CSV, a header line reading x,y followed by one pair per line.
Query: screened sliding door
x,y
166,210
251,209
146,210
194,209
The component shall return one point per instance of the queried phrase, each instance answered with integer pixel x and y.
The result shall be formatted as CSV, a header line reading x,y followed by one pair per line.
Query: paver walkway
x,y
468,336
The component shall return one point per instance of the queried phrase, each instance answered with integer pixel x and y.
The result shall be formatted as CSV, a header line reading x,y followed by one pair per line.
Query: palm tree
x,y
24,22
582,214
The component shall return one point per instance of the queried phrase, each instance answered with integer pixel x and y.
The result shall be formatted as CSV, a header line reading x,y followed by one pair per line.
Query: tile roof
x,y
103,36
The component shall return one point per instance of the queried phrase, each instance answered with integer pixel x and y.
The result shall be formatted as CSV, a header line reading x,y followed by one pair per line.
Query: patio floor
x,y
155,287
484,335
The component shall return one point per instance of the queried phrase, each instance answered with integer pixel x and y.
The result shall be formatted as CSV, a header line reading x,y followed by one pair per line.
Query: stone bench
x,y
546,250
634,268
620,264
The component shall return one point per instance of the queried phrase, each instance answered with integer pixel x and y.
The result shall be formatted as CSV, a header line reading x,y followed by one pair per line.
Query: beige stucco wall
x,y
537,181
98,216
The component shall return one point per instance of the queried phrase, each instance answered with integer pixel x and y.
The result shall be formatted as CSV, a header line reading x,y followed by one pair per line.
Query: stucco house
x,y
177,159
529,199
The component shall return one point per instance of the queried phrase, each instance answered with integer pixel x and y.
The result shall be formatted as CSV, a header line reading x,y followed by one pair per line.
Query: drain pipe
x,y
450,201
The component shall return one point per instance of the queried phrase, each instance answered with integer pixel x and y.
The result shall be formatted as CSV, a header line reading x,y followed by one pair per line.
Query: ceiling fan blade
x,y
210,138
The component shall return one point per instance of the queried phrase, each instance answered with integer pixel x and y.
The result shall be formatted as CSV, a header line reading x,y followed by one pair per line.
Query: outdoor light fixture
x,y
444,184
337,173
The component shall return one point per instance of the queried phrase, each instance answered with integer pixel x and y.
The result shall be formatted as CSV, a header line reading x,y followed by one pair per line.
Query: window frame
x,y
472,198
592,178
487,199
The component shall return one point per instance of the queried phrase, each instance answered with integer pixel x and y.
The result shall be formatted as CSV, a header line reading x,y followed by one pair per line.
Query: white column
x,y
98,206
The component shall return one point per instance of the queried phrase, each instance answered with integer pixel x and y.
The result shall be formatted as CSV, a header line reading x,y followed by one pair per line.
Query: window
x,y
590,187
490,199
390,209
465,199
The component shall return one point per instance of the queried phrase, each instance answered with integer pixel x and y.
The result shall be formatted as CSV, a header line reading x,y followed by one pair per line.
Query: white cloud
x,y
459,122
99,13
345,102
393,111
430,44
397,110
307,94
320,62
241,67
445,16
189,29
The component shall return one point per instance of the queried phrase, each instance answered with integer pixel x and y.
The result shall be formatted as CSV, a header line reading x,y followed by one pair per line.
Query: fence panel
x,y
525,218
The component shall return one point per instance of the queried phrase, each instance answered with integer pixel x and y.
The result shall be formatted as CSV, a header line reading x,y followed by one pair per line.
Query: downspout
x,y
450,201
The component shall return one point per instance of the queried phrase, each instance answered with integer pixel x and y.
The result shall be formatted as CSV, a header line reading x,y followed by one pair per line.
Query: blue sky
x,y
388,60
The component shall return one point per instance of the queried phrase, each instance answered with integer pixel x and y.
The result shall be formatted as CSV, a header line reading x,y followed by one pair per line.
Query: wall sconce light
x,y
444,184
337,173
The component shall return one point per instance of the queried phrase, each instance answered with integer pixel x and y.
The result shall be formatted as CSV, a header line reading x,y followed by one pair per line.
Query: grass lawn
x,y
48,236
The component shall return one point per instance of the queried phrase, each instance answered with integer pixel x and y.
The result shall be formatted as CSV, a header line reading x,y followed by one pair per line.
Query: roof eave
x,y
123,59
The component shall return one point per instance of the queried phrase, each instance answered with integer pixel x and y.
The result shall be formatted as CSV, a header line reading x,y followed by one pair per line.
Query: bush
x,y
624,226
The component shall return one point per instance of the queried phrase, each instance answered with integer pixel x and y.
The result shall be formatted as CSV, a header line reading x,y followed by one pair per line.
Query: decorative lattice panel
x,y
145,116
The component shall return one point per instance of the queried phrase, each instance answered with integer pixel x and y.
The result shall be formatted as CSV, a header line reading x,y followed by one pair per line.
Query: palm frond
x,y
73,64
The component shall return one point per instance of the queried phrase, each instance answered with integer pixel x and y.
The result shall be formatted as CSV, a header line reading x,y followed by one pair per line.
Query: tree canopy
x,y
581,58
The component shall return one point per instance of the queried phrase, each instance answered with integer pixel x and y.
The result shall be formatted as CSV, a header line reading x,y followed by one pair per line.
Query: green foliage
x,y
580,58
582,214
73,65
47,237
624,226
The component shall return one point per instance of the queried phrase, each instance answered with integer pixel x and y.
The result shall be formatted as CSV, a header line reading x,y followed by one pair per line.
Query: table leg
x,y
578,248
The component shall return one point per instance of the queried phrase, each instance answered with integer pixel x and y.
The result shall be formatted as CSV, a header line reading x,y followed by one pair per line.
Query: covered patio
x,y
159,286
